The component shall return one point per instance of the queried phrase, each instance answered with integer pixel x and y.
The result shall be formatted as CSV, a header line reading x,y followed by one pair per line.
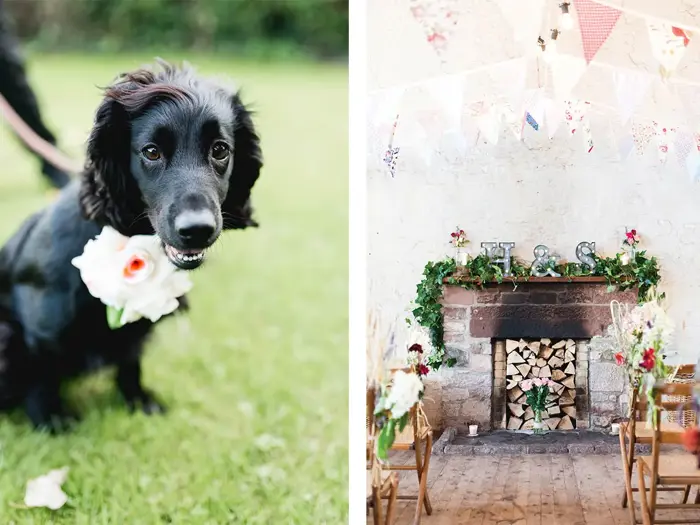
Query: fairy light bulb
x,y
543,46
566,21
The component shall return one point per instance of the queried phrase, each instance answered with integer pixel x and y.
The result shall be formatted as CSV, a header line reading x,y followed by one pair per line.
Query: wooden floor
x,y
524,490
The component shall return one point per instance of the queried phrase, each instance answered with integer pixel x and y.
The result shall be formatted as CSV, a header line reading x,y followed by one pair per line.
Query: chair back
x,y
665,402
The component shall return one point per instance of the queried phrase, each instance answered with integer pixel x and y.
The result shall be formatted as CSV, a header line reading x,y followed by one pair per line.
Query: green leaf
x,y
386,439
403,422
114,317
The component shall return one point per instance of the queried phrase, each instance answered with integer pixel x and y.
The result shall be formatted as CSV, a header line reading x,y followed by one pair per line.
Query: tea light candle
x,y
615,429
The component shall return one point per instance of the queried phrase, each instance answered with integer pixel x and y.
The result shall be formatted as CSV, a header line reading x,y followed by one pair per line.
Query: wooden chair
x,y
637,431
422,438
662,469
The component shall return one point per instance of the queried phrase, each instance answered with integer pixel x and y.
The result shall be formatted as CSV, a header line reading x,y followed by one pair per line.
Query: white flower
x,y
403,394
132,274
413,359
45,491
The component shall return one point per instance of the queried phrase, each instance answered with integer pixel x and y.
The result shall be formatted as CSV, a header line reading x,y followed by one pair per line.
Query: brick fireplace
x,y
573,315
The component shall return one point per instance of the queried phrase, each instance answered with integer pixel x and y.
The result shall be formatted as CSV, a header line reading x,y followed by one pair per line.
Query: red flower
x,y
619,359
423,370
415,347
649,360
453,234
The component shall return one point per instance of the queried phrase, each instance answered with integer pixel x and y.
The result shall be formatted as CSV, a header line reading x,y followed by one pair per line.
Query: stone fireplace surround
x,y
556,308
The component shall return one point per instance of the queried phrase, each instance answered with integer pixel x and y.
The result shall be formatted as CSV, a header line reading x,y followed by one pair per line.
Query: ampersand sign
x,y
543,265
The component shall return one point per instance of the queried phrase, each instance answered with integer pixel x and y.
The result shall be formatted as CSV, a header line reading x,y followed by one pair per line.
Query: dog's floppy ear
x,y
108,193
247,161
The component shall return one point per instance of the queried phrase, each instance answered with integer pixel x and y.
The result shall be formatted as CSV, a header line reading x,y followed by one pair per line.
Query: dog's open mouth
x,y
184,259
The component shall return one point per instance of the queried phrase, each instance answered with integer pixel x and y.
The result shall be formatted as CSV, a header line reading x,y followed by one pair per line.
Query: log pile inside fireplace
x,y
547,359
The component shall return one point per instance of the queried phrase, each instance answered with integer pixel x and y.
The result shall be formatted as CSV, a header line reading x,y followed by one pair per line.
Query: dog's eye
x,y
151,152
219,151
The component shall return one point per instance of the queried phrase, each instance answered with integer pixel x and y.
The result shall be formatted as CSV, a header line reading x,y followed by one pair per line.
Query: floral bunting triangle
x,y
575,116
664,138
596,22
668,45
642,135
438,19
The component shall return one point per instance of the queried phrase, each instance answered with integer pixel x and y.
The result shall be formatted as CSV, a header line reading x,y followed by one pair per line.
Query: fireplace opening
x,y
556,359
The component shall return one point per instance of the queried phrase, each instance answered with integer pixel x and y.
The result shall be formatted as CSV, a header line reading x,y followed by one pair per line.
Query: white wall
x,y
534,191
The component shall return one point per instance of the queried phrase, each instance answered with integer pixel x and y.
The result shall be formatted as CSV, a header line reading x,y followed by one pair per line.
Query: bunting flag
x,y
683,145
575,116
596,22
664,138
668,45
625,145
692,166
489,122
642,135
449,92
630,88
524,17
391,155
438,19
566,72
552,115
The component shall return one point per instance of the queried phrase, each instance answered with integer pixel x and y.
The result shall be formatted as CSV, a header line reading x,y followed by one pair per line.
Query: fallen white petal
x,y
45,491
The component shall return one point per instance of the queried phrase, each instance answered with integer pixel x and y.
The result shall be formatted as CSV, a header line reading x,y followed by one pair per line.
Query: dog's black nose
x,y
196,228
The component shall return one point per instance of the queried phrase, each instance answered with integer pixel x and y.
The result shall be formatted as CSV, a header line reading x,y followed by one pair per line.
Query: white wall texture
x,y
536,190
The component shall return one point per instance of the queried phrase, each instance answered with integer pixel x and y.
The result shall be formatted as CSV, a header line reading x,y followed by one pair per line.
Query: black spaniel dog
x,y
170,154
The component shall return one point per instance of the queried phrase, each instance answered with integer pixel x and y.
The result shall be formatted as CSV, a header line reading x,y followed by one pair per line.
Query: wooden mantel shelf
x,y
506,280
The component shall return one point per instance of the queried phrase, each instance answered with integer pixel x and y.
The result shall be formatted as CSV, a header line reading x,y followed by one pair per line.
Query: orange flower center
x,y
135,265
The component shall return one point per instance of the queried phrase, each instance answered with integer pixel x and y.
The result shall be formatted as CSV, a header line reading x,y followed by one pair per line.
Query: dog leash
x,y
38,145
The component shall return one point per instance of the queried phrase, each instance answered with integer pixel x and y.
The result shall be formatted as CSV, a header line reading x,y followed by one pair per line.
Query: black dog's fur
x,y
51,328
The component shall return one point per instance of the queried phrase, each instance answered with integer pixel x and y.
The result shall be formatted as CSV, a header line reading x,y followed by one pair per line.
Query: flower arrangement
x,y
415,360
631,239
645,336
393,407
536,392
132,276
459,238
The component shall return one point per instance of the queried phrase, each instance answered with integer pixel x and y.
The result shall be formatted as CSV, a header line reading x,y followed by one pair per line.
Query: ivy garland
x,y
641,271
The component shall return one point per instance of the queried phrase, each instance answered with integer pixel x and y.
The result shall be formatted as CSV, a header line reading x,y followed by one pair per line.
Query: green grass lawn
x,y
256,375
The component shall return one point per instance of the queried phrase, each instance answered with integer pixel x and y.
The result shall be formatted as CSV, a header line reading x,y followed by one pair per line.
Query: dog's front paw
x,y
146,402
47,413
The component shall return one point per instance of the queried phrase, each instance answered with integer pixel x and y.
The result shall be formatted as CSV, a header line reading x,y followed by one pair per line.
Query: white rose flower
x,y
45,491
132,275
403,394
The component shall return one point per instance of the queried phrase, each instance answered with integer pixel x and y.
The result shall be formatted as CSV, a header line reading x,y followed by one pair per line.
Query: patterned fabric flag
x,y
575,116
530,120
668,45
596,22
683,145
664,138
438,19
642,135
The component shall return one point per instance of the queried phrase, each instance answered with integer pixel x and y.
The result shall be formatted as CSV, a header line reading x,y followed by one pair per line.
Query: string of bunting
x,y
517,109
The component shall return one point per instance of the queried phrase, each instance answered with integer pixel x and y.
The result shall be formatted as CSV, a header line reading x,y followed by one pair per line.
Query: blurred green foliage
x,y
249,27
